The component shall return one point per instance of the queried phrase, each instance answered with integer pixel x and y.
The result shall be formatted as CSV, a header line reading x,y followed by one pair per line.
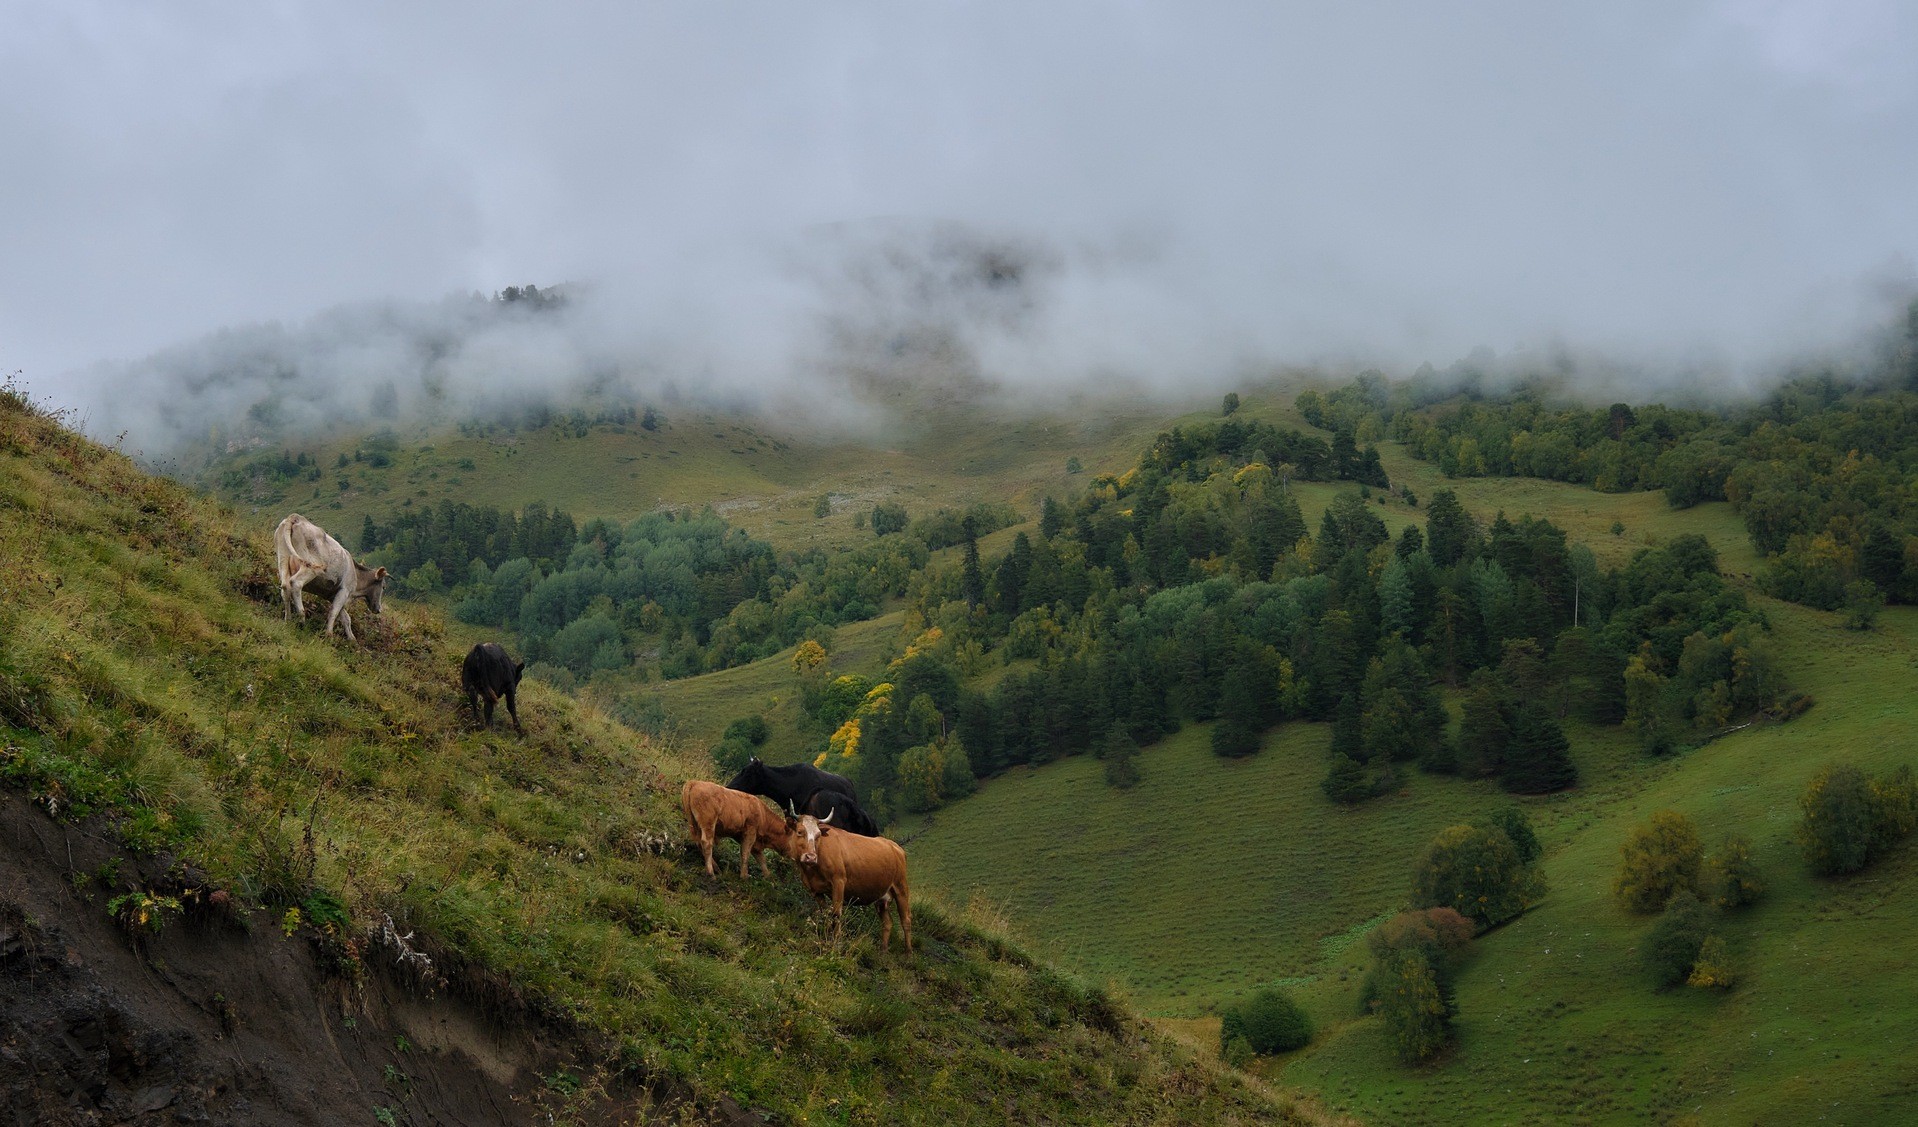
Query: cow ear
x,y
380,574
519,667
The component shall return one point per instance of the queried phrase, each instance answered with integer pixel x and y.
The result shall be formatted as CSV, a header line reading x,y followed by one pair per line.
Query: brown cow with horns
x,y
850,866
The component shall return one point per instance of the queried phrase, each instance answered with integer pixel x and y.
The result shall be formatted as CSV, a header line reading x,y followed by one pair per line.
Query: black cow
x,y
490,673
808,790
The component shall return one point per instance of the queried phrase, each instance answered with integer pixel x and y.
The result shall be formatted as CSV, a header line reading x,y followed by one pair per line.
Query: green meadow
x,y
1214,878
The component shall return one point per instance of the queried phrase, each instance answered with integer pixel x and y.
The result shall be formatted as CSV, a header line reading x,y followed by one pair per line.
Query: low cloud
x,y
752,199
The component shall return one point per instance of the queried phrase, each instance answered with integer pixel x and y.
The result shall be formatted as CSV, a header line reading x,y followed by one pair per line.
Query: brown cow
x,y
305,554
712,811
850,866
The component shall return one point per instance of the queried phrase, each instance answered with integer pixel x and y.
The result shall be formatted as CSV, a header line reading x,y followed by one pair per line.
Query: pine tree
x,y
1395,599
1242,710
1346,782
1450,531
972,579
1485,732
1348,728
1538,760
1345,455
1052,518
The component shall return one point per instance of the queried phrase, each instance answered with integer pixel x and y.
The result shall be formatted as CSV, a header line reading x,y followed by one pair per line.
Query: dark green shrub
x,y
1732,875
1672,947
1414,1007
1347,781
1518,827
1851,820
751,729
1270,1022
1476,871
731,755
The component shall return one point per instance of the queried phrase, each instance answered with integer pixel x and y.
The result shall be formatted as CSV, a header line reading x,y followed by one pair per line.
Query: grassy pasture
x,y
762,475
1214,878
145,672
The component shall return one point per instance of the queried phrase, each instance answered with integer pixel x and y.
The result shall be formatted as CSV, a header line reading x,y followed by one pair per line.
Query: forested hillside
x,y
1320,670
332,796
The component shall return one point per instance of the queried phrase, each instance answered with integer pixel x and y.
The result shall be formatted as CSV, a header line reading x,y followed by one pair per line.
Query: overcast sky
x,y
1213,184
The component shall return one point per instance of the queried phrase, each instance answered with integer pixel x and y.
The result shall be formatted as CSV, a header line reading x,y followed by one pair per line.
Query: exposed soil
x,y
220,1017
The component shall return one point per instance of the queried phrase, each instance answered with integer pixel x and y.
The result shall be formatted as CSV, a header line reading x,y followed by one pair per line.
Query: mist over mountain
x,y
746,203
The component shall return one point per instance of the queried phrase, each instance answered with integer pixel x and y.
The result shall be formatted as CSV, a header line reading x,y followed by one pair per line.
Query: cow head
x,y
750,777
373,586
519,669
809,830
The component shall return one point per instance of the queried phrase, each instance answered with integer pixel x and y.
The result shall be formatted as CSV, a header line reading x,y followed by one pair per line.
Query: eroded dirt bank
x,y
220,1017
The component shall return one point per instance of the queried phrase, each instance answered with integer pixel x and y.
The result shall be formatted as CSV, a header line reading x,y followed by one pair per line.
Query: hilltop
x,y
466,919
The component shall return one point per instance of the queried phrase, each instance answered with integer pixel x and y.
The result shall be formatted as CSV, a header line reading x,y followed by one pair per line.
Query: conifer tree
x,y
972,579
1538,760
1450,531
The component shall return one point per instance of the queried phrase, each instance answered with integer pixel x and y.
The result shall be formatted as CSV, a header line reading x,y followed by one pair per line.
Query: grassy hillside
x,y
762,475
1214,878
145,673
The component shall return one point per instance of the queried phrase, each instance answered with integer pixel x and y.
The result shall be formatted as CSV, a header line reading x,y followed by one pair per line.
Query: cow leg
x,y
295,585
746,850
900,903
706,847
885,923
337,609
490,698
512,709
839,909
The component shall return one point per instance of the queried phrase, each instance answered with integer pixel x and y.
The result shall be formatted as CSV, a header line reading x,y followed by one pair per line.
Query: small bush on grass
x,y
1732,876
1414,1007
1661,858
1713,969
1672,948
1476,871
1269,1022
1851,820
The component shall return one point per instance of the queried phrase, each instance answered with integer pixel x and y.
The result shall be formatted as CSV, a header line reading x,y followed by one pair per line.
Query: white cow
x,y
306,554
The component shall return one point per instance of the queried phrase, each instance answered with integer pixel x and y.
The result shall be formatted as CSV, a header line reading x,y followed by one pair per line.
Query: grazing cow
x,y
798,786
848,866
306,554
490,673
713,811
843,810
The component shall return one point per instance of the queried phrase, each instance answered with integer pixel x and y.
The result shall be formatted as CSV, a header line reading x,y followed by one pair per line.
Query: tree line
x,y
1821,470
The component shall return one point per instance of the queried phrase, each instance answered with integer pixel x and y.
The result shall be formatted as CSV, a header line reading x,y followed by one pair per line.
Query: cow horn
x,y
791,809
828,816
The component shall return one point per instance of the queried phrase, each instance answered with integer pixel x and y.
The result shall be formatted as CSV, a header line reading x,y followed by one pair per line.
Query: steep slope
x,y
147,683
